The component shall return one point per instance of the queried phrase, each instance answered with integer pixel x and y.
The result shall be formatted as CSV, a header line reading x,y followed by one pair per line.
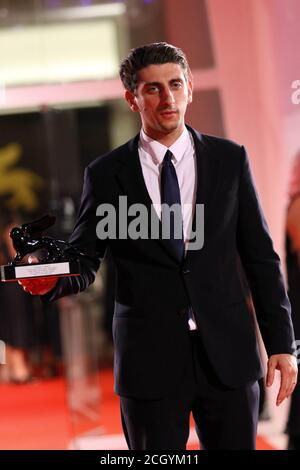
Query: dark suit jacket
x,y
153,290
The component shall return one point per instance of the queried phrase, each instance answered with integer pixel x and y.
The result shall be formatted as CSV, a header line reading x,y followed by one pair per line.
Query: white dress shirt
x,y
151,153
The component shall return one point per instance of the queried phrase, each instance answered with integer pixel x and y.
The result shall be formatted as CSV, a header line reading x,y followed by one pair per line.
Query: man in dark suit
x,y
184,338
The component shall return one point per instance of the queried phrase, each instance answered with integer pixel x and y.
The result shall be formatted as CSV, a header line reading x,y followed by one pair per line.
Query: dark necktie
x,y
170,194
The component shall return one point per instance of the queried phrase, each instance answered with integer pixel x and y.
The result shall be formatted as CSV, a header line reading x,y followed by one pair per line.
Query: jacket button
x,y
185,271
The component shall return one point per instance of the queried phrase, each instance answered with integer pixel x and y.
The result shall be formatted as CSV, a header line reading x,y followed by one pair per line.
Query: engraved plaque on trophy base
x,y
28,271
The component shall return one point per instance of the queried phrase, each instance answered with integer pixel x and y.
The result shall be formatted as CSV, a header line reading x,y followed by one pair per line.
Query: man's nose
x,y
168,97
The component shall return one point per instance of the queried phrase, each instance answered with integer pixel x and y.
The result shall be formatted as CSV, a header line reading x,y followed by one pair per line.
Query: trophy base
x,y
30,271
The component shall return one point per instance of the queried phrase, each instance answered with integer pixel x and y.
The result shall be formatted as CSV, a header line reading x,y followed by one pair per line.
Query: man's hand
x,y
39,286
287,365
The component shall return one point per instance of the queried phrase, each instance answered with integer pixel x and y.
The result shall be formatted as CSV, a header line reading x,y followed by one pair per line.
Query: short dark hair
x,y
150,54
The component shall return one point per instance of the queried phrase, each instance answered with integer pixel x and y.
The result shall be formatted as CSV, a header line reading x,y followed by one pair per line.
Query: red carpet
x,y
35,416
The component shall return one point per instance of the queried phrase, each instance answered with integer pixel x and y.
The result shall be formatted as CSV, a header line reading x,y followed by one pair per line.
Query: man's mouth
x,y
169,113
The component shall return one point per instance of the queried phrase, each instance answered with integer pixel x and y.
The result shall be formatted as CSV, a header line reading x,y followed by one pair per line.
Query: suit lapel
x,y
208,170
130,175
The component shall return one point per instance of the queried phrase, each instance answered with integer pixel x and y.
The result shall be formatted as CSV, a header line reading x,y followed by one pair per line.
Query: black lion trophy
x,y
38,255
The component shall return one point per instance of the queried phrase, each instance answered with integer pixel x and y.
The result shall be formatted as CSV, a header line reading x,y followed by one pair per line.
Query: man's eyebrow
x,y
179,79
159,83
151,83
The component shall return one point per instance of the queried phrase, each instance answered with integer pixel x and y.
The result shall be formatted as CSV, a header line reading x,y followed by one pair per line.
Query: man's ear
x,y
131,100
190,91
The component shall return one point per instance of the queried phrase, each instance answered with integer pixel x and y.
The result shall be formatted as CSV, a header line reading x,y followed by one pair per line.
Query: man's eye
x,y
152,89
177,85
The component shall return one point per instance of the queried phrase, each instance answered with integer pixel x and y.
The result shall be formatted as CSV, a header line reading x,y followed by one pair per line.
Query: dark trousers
x,y
225,418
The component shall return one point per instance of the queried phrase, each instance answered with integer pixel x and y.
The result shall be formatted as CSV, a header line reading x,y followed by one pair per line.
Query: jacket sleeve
x,y
85,240
262,267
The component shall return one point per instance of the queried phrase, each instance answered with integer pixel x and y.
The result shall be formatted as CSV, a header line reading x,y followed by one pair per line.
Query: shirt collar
x,y
157,151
